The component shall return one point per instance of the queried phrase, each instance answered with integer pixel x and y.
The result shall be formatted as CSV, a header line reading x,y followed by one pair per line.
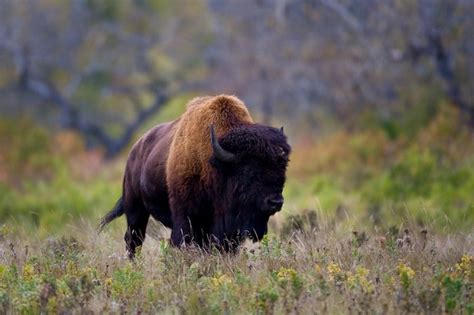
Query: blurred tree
x,y
103,66
99,67
444,36
343,56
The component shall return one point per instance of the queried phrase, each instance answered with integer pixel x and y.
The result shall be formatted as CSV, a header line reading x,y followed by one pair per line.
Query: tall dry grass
x,y
304,271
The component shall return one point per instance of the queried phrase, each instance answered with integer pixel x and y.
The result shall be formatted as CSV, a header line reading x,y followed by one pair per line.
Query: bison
x,y
213,176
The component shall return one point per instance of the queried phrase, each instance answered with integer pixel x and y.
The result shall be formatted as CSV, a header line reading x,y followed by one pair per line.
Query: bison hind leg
x,y
136,230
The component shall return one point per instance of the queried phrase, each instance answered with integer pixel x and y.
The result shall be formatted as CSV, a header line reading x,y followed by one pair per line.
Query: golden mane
x,y
191,149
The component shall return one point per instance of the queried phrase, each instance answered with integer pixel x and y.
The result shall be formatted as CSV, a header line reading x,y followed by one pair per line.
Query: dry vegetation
x,y
320,270
371,224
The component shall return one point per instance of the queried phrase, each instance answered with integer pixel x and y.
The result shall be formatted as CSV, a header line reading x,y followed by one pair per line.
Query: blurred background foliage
x,y
376,98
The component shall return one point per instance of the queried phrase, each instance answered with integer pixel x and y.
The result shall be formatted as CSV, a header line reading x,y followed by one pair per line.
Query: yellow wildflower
x,y
71,268
406,275
220,280
286,274
289,276
351,279
366,285
360,279
28,271
334,270
108,282
405,270
318,269
362,272
466,266
4,229
52,305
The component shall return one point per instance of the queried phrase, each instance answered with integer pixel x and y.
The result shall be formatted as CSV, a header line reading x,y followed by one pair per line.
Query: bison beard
x,y
213,176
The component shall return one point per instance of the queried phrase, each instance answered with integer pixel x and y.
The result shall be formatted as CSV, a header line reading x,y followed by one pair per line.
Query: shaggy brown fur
x,y
191,149
173,174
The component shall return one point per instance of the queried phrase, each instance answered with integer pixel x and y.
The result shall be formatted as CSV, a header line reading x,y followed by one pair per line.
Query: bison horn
x,y
219,151
281,129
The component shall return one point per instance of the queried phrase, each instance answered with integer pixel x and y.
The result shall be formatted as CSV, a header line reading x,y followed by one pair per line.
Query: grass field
x,y
326,269
376,220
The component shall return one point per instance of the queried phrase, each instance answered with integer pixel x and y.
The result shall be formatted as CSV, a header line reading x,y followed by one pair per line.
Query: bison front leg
x,y
186,215
182,233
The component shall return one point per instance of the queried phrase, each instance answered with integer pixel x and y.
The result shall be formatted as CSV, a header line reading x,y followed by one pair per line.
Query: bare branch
x,y
446,72
442,60
141,117
346,16
72,119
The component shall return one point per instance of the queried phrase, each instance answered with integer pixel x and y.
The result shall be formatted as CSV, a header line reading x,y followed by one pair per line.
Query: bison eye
x,y
282,152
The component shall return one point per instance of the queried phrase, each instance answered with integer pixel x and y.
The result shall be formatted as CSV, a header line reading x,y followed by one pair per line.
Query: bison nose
x,y
274,203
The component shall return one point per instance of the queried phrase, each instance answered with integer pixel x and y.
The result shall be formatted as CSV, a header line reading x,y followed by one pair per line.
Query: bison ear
x,y
219,152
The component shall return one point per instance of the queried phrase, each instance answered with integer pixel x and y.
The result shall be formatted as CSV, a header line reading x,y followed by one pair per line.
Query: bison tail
x,y
113,214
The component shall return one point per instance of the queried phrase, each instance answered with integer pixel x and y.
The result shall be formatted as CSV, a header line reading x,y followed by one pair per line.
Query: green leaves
x,y
452,293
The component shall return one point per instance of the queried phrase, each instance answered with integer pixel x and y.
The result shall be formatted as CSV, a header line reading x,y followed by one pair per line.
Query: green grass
x,y
376,220
367,175
321,270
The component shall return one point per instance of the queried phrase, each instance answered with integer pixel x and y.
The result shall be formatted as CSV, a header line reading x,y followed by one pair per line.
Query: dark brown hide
x,y
174,174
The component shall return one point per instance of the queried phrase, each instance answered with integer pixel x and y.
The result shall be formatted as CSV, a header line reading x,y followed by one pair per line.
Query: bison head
x,y
250,170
